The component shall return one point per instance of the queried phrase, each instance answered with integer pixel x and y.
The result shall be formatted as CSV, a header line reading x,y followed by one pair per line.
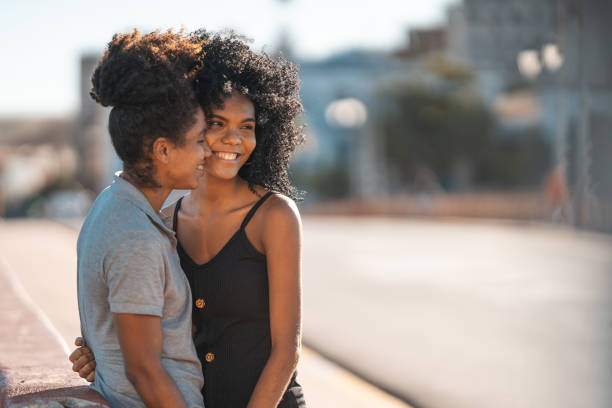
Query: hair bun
x,y
144,69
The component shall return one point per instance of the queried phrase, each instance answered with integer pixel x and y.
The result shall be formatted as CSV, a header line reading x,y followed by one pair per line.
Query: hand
x,y
83,360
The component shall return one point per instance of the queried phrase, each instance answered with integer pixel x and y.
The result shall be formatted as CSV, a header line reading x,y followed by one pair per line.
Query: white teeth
x,y
226,155
200,167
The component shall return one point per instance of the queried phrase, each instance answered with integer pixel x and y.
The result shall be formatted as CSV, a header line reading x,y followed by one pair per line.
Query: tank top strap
x,y
177,206
254,208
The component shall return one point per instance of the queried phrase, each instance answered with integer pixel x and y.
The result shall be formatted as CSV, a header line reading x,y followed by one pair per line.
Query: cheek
x,y
197,151
251,142
187,158
211,136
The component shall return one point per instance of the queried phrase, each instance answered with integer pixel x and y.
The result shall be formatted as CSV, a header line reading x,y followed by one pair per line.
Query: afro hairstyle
x,y
272,84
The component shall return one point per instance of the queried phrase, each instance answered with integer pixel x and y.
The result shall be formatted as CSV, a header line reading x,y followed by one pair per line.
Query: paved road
x,y
458,315
448,315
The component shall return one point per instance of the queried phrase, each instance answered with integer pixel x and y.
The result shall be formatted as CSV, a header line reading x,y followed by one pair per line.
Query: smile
x,y
226,155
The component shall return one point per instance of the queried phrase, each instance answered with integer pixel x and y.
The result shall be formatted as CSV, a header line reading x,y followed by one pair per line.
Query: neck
x,y
217,193
156,196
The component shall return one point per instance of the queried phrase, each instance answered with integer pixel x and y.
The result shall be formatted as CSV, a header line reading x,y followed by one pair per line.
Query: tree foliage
x,y
439,123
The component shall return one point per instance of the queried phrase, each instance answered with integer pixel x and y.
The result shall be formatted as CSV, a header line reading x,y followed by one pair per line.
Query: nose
x,y
232,136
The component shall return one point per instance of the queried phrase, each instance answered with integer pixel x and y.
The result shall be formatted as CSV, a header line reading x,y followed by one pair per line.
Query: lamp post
x,y
356,150
531,63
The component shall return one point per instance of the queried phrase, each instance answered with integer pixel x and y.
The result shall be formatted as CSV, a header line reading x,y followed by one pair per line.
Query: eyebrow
x,y
225,119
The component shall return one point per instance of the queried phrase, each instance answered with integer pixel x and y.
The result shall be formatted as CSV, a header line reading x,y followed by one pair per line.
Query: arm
x,y
84,362
281,238
140,338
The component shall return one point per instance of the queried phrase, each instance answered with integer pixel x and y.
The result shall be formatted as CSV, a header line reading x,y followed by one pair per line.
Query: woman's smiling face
x,y
231,136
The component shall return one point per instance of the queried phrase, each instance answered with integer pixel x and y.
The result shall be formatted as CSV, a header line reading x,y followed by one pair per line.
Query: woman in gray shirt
x,y
133,297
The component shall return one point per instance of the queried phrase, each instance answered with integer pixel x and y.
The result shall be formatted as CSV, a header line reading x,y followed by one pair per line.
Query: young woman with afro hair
x,y
239,231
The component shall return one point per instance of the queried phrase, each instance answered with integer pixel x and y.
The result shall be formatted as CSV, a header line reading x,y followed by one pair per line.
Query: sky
x,y
42,41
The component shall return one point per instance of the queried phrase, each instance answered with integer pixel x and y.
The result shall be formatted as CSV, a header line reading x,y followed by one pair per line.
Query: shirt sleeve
x,y
135,274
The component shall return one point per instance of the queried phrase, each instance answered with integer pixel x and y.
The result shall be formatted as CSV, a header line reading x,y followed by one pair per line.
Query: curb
x,y
34,368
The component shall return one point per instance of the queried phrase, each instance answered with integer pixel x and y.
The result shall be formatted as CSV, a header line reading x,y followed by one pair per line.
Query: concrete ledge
x,y
34,368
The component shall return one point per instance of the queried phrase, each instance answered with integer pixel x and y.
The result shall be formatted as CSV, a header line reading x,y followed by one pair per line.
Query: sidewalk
x,y
41,255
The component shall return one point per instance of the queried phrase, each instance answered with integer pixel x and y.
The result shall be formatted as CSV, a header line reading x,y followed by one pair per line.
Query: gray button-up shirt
x,y
127,263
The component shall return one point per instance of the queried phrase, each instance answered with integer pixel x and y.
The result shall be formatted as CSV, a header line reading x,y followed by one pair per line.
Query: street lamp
x,y
346,113
552,57
530,64
354,151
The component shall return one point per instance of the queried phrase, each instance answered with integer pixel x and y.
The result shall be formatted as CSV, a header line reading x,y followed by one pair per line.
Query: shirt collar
x,y
128,191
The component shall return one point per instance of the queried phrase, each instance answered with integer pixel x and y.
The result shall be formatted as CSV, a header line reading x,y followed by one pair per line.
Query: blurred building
x,y
97,158
340,97
35,158
542,64
560,48
424,41
584,130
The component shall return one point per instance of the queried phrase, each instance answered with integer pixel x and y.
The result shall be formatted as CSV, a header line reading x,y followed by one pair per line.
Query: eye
x,y
214,123
249,127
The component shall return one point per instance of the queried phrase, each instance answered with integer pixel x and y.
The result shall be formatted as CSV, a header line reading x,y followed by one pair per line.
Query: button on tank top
x,y
232,319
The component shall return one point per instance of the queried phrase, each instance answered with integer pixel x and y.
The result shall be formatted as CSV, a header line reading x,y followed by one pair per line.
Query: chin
x,y
222,174
226,176
193,185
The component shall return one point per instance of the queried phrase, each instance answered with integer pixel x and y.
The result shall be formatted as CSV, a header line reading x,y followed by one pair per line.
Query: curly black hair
x,y
272,85
149,81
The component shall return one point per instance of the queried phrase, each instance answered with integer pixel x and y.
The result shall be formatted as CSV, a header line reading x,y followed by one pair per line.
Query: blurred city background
x,y
458,170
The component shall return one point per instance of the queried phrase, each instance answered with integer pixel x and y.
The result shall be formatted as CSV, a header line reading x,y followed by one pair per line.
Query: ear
x,y
161,150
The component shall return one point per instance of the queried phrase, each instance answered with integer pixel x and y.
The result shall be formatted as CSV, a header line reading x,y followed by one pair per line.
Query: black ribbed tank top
x,y
232,319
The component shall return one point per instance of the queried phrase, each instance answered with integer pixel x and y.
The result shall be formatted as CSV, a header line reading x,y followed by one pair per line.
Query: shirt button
x,y
209,357
200,303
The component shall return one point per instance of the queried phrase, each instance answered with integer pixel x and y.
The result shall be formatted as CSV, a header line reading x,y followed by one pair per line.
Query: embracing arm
x,y
140,338
282,244
84,362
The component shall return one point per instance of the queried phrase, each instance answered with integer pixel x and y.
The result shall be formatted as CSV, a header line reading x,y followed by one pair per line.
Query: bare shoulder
x,y
279,205
280,216
280,225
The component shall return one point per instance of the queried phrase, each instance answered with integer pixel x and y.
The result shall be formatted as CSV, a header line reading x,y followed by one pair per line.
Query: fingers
x,y
76,354
91,376
83,360
78,341
88,370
